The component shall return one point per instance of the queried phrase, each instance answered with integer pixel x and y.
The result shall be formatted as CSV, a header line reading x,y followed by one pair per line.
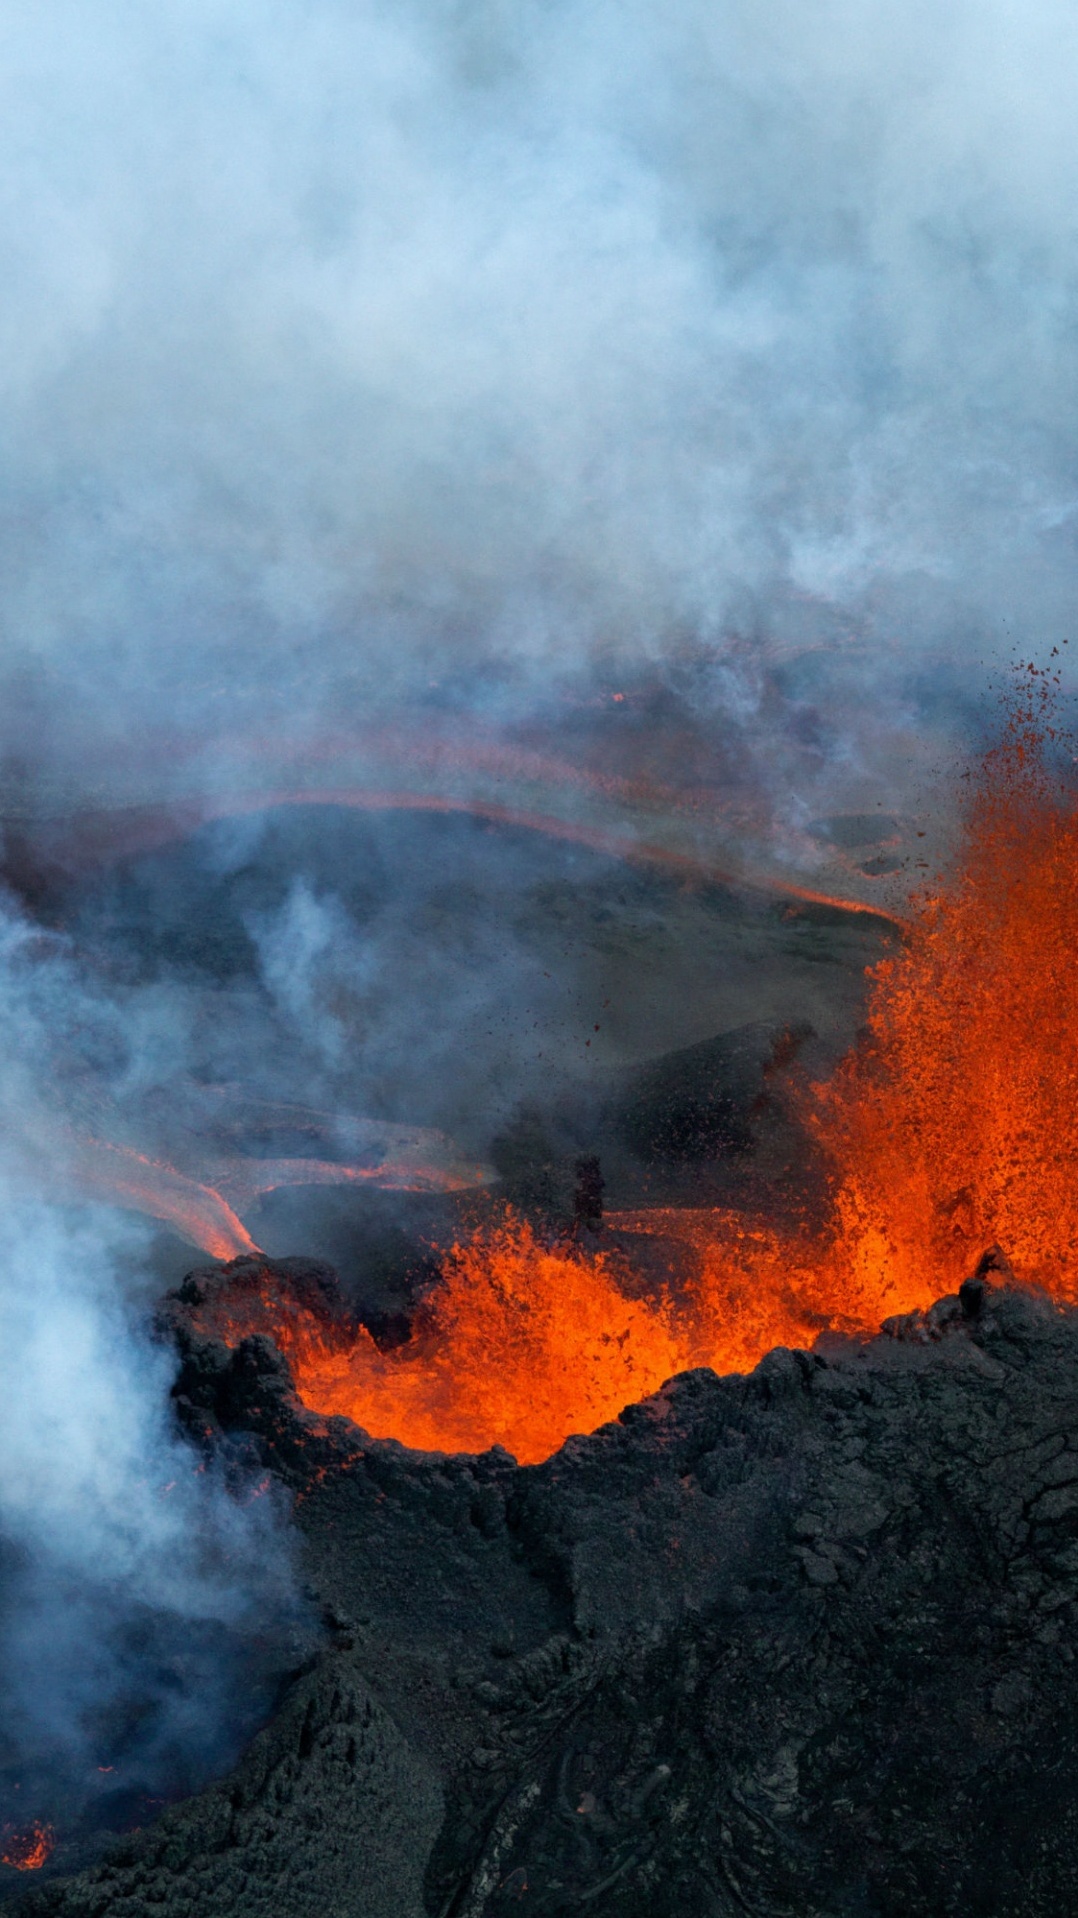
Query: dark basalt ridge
x,y
792,1644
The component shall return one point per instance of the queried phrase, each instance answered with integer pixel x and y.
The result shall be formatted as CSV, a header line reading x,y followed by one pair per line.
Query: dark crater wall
x,y
798,1643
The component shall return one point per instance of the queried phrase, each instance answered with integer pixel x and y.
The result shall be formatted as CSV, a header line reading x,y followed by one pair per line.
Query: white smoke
x,y
349,347
136,1587
143,1604
95,1477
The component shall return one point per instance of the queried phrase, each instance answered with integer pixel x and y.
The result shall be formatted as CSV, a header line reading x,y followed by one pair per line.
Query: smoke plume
x,y
146,1608
351,349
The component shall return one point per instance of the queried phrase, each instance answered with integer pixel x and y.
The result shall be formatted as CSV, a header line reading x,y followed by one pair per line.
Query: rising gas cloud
x,y
146,1606
347,349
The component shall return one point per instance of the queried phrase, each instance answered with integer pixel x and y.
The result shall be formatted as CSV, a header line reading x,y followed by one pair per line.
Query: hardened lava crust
x,y
787,1644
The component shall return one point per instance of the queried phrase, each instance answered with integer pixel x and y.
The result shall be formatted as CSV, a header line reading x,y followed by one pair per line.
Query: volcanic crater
x,y
623,1605
793,1641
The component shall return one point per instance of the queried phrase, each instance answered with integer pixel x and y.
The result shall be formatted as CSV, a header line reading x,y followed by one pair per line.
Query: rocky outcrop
x,y
791,1644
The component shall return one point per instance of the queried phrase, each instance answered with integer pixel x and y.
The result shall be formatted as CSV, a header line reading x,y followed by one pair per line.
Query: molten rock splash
x,y
950,1128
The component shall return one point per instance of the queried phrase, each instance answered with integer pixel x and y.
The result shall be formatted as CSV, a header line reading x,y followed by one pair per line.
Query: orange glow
x,y
28,1850
954,1126
520,1345
951,1128
124,1177
523,1343
127,831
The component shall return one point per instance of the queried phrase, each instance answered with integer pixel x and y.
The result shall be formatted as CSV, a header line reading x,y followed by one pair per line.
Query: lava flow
x,y
685,813
949,1128
204,1207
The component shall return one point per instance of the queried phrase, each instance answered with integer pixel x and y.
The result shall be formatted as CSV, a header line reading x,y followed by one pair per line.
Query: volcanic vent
x,y
945,1131
758,1638
787,1640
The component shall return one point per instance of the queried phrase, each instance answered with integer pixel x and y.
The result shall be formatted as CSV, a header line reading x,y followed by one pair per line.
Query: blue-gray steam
x,y
147,1607
346,348
135,1585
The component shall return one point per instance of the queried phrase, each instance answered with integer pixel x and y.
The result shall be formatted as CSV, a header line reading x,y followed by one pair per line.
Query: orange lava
x,y
124,1177
520,1345
29,1849
524,1343
954,1126
949,1129
200,1212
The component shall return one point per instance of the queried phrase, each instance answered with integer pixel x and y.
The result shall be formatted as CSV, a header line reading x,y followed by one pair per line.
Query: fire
x,y
29,1849
949,1129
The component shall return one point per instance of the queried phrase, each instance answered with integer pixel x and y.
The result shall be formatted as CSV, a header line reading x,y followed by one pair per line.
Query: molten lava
x,y
520,1344
951,1127
955,1125
122,1176
29,1849
523,1343
205,1210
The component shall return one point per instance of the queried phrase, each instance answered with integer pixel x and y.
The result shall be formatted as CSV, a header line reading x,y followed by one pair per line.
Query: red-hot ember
x,y
28,1849
950,1129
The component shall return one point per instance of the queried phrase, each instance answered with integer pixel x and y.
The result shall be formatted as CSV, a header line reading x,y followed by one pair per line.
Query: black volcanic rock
x,y
797,1643
699,1103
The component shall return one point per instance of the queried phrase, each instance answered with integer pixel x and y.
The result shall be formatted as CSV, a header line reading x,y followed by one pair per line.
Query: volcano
x,y
672,1556
538,922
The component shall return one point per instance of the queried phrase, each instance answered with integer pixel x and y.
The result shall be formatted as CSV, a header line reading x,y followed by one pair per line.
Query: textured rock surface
x,y
792,1644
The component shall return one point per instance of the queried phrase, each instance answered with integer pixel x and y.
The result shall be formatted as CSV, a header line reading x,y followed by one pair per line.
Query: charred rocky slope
x,y
791,1644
